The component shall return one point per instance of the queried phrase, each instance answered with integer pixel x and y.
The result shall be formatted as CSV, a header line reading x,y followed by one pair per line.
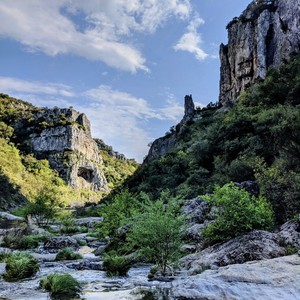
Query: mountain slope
x,y
258,139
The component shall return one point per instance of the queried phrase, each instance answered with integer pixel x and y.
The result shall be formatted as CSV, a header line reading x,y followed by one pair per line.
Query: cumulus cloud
x,y
94,29
191,41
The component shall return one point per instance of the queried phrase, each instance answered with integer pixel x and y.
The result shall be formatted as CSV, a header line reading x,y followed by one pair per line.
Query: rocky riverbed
x,y
253,266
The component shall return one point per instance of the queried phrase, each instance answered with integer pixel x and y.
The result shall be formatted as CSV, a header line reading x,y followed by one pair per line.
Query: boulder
x,y
270,279
56,243
88,222
290,234
256,245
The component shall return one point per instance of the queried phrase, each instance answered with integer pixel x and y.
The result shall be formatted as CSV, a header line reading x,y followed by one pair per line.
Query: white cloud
x,y
191,41
117,117
9,84
94,29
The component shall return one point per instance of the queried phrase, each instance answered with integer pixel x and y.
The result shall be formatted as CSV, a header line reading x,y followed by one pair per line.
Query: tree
x,y
158,232
237,213
44,206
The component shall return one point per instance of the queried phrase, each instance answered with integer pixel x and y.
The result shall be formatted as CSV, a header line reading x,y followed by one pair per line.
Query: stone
x,y
290,234
265,34
250,186
63,137
271,279
256,245
88,222
59,242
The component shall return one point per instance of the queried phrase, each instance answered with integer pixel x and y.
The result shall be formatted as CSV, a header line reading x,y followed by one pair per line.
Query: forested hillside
x,y
256,139
24,174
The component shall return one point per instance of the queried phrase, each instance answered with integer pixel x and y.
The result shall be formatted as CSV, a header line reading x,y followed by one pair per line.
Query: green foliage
x,y
20,265
117,213
237,213
116,265
61,286
69,227
31,241
44,207
219,147
67,254
158,231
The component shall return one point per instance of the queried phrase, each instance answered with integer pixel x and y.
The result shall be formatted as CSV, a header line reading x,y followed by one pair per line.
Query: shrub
x,y
61,286
20,265
67,254
116,265
31,241
11,239
237,213
44,207
158,232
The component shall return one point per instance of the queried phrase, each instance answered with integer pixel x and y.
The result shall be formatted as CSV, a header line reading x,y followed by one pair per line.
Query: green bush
x,y
73,229
61,286
158,232
237,213
116,265
20,265
67,254
44,207
11,239
31,241
117,213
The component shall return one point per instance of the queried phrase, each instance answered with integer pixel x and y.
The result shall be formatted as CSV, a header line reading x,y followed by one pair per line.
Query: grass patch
x,y
20,265
61,286
67,254
116,265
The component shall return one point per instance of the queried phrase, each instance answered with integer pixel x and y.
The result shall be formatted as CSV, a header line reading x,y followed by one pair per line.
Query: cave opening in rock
x,y
86,174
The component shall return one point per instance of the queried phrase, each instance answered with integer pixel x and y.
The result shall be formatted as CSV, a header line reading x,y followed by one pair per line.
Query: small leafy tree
x,y
44,206
158,232
237,213
117,213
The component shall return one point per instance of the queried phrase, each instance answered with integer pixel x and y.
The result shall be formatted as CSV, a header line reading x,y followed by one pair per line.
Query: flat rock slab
x,y
270,279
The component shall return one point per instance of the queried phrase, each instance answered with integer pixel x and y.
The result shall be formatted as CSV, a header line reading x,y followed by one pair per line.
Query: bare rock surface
x,y
270,279
265,34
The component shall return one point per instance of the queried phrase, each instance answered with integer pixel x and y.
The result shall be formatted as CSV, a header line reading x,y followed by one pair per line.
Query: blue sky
x,y
127,64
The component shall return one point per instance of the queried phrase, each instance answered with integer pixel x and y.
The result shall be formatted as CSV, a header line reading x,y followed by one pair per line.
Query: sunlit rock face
x,y
264,36
67,144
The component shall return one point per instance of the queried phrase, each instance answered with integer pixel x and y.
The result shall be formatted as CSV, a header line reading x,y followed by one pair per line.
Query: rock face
x,y
63,137
264,36
162,145
268,279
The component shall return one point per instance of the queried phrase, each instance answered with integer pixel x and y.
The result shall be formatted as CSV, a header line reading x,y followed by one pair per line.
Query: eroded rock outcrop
x,y
264,35
63,137
162,145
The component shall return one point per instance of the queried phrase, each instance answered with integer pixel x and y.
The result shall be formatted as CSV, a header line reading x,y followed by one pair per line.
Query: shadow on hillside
x,y
10,195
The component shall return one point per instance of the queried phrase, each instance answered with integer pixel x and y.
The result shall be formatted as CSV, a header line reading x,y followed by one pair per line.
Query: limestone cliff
x,y
63,137
162,145
266,33
69,148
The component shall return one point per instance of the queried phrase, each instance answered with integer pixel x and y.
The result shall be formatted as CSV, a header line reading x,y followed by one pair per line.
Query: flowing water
x,y
96,285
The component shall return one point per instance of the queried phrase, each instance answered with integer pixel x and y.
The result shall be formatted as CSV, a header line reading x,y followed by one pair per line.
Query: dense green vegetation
x,y
237,213
23,177
116,171
20,265
116,265
61,286
158,231
257,139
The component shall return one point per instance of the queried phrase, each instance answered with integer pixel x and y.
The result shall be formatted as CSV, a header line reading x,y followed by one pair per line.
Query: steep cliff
x,y
162,145
62,136
264,36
